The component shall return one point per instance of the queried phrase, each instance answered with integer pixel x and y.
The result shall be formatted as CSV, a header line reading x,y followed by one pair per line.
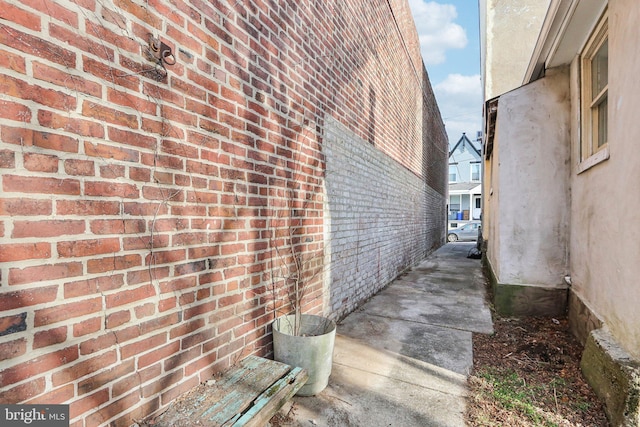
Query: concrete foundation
x,y
614,376
523,300
527,300
581,319
611,372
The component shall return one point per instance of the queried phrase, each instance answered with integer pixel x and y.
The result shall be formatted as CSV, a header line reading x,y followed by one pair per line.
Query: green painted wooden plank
x,y
269,402
243,387
231,396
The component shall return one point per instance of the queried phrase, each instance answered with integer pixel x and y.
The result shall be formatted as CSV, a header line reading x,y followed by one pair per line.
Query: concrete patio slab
x,y
402,359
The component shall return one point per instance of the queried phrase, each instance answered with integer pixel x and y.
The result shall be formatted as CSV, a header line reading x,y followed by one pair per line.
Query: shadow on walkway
x,y
403,358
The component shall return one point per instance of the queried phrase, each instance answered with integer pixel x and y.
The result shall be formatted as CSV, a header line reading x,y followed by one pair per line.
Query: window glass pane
x,y
453,176
600,70
475,172
602,123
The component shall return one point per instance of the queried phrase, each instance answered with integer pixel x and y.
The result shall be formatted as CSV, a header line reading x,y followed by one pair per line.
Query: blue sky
x,y
449,41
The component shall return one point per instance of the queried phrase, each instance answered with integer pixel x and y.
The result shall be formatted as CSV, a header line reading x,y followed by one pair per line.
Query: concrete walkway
x,y
403,358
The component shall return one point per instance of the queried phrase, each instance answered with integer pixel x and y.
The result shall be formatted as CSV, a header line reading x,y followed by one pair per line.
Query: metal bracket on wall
x,y
160,52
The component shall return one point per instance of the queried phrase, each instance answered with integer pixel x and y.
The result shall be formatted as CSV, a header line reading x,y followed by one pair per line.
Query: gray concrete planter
x,y
312,349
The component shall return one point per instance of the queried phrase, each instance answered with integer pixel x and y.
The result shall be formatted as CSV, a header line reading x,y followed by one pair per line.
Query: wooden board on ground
x,y
247,394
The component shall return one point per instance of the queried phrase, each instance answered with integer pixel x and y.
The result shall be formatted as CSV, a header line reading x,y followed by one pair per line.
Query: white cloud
x,y
458,85
460,100
459,96
437,30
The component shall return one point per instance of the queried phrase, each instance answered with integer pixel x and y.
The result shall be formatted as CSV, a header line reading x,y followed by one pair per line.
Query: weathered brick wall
x,y
380,219
145,214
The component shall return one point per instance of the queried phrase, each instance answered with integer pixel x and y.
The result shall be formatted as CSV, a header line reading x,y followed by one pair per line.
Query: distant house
x,y
465,177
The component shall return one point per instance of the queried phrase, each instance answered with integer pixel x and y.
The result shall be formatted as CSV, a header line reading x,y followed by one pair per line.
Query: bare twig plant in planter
x,y
297,268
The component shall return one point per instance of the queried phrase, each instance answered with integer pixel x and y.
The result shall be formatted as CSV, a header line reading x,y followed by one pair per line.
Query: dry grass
x,y
528,374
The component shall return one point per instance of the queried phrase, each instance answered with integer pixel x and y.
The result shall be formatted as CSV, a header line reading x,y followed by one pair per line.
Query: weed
x,y
582,406
511,393
527,374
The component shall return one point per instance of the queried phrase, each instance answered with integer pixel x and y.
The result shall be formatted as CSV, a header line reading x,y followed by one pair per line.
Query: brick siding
x,y
148,215
380,218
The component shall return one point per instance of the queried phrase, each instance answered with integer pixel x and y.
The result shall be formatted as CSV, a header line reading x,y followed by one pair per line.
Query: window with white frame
x,y
455,201
475,171
453,173
594,99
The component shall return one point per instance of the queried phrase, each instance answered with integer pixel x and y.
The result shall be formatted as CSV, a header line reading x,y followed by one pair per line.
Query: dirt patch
x,y
528,374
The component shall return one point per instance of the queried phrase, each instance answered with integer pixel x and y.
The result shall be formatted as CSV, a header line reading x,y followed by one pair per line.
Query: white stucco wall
x,y
532,229
511,29
605,208
491,211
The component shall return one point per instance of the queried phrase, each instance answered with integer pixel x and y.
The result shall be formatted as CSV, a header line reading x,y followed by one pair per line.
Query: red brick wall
x,y
144,217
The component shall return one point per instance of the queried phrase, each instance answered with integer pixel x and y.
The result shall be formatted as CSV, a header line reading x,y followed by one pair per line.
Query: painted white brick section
x,y
380,219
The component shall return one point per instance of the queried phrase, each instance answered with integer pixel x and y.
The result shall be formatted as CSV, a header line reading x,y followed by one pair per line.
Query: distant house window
x,y
453,173
478,203
475,171
595,90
